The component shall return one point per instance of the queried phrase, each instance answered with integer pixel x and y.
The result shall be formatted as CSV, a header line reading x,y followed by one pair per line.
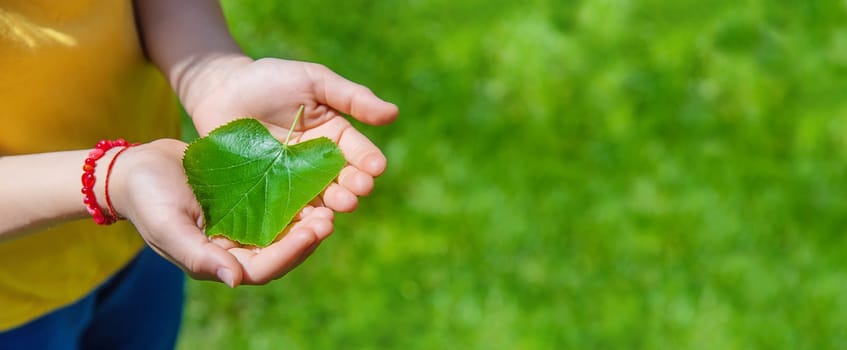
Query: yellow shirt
x,y
71,73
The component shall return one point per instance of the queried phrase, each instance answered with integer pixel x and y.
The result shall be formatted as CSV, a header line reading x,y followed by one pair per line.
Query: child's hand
x,y
272,90
150,189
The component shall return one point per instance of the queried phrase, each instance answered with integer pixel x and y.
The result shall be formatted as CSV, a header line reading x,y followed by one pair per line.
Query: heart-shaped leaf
x,y
250,185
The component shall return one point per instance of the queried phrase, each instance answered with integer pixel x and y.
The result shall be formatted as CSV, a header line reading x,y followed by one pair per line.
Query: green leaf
x,y
250,185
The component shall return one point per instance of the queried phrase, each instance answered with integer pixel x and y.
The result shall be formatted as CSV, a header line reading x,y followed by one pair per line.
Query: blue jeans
x,y
138,308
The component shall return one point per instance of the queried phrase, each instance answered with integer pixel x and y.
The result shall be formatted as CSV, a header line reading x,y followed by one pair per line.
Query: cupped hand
x,y
150,189
272,90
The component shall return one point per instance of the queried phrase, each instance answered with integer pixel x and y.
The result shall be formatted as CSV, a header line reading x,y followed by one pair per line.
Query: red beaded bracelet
x,y
88,180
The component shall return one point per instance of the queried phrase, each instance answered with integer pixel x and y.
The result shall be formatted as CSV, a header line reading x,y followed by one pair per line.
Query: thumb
x,y
348,97
186,246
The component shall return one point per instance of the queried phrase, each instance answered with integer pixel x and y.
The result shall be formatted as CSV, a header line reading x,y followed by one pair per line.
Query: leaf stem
x,y
296,119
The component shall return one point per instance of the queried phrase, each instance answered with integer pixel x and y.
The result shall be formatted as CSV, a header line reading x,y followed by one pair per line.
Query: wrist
x,y
129,183
96,193
193,78
116,180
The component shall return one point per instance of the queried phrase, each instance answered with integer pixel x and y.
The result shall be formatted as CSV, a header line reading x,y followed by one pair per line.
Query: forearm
x,y
186,39
41,190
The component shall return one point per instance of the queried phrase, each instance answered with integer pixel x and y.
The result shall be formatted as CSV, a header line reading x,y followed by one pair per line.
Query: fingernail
x,y
226,276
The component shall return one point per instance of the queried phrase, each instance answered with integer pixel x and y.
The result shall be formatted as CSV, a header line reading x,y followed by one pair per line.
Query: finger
x,y
223,242
259,264
356,147
304,213
349,97
322,227
361,152
338,198
305,255
275,260
243,255
357,182
185,245
323,213
319,221
318,202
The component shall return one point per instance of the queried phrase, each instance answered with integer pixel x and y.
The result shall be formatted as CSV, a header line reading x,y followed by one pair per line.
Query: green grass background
x,y
603,174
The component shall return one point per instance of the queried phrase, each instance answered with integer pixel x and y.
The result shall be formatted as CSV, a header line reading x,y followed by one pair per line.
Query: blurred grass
x,y
570,174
